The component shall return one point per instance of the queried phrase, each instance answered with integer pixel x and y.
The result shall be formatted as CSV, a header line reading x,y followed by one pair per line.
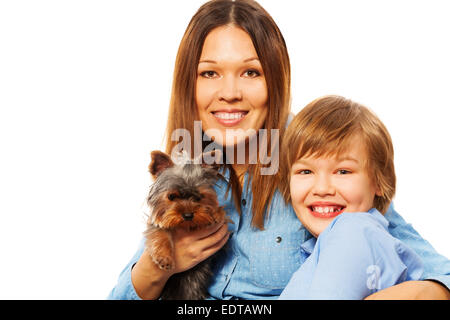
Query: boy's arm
x,y
354,257
436,266
413,290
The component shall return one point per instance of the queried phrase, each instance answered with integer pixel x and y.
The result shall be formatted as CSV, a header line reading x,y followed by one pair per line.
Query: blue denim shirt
x,y
258,264
352,258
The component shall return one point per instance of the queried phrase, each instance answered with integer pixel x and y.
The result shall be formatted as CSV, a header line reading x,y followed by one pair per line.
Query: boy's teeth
x,y
326,209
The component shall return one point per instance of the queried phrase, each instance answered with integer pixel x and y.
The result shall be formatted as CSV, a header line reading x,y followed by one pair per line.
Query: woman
x,y
232,72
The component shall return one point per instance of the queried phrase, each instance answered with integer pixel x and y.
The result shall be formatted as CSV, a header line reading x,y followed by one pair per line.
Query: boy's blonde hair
x,y
326,127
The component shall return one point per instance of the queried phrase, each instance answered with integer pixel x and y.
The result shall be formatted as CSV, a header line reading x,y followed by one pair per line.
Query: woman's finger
x,y
190,251
217,246
214,238
205,233
195,235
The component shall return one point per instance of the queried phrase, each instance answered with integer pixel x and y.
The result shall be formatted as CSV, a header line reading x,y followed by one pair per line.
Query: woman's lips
x,y
322,210
229,118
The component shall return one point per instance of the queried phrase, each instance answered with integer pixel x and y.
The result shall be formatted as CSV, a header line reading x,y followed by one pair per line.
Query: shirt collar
x,y
308,245
225,173
379,217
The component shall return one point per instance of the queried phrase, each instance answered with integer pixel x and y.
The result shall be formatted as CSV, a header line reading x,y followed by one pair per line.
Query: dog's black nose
x,y
188,216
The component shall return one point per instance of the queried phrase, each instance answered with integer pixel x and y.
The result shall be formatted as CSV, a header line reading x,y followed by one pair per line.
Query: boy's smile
x,y
324,187
323,209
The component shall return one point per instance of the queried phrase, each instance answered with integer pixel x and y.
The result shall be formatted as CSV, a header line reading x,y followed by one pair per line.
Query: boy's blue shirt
x,y
258,264
355,256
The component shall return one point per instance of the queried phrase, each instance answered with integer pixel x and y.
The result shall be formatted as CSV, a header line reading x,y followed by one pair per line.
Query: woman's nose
x,y
230,89
323,186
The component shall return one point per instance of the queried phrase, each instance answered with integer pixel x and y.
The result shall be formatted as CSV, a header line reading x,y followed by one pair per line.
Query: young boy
x,y
340,171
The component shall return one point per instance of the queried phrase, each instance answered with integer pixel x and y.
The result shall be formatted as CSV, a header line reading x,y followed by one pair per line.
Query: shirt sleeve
x,y
436,266
353,258
124,289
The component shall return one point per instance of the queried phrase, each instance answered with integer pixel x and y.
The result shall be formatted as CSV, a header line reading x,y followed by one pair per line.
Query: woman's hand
x,y
413,290
190,248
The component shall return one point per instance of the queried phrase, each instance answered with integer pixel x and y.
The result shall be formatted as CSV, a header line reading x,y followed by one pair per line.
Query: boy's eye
x,y
252,73
343,171
208,74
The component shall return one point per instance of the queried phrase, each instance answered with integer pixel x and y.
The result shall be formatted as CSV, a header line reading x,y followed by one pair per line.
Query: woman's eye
x,y
343,171
252,73
208,74
306,171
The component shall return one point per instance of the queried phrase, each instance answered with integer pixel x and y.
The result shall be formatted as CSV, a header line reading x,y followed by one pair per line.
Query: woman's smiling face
x,y
231,90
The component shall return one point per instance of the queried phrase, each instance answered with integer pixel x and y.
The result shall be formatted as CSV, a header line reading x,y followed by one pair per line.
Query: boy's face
x,y
322,188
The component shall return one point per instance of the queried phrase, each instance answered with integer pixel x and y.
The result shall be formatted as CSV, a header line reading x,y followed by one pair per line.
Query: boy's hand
x,y
413,290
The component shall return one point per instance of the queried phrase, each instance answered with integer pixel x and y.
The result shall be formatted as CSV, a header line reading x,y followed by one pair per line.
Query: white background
x,y
84,91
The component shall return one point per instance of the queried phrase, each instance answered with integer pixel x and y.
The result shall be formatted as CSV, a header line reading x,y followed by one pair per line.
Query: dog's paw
x,y
164,263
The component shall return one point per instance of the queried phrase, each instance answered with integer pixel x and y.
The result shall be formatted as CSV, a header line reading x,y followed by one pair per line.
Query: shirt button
x,y
244,202
278,239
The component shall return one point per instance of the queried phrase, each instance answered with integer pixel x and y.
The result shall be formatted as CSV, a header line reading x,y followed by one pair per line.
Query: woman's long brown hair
x,y
272,53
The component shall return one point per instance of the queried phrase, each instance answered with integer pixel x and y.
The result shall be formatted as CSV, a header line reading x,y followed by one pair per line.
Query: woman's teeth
x,y
229,115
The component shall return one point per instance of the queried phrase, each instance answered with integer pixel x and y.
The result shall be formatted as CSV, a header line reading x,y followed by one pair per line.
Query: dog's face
x,y
182,196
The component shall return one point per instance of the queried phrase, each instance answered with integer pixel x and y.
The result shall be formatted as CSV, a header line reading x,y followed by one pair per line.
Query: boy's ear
x,y
378,191
160,162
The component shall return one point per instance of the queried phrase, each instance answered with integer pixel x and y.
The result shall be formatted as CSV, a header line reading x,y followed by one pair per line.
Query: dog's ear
x,y
160,162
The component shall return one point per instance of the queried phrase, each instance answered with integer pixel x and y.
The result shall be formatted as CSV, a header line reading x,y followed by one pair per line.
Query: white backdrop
x,y
84,90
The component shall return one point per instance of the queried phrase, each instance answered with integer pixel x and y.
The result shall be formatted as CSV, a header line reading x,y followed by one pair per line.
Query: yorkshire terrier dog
x,y
182,196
